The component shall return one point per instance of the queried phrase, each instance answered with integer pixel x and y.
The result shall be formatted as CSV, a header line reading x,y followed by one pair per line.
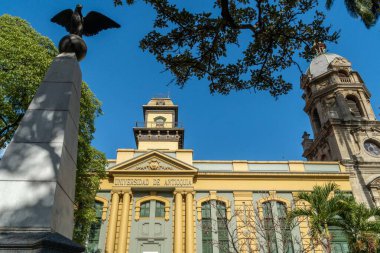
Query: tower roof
x,y
320,64
161,104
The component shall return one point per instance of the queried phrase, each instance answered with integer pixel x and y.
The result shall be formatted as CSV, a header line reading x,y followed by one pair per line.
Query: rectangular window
x,y
145,209
206,228
160,209
270,232
93,237
286,233
222,227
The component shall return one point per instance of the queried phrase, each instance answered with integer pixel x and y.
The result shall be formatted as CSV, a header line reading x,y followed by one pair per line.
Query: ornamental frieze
x,y
154,165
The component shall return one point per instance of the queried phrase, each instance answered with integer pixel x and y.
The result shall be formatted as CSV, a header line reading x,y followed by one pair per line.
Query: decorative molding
x,y
216,198
154,164
375,183
272,197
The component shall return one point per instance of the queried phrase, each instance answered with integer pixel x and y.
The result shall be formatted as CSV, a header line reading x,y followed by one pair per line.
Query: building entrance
x,y
151,232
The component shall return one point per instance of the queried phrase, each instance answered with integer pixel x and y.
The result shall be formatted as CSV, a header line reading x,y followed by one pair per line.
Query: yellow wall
x,y
185,155
161,145
124,154
168,116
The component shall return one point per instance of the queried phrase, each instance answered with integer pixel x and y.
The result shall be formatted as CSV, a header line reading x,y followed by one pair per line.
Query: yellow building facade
x,y
158,199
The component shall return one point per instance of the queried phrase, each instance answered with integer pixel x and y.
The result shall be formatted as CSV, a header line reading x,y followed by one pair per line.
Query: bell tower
x,y
160,129
344,125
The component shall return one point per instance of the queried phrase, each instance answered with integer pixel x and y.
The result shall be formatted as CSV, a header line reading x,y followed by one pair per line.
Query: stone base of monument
x,y
37,242
37,171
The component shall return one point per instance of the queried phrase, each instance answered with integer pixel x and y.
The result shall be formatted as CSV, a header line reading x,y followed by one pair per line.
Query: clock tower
x,y
160,129
344,125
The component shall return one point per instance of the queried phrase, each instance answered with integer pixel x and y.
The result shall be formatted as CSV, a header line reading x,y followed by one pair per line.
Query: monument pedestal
x,y
37,171
37,242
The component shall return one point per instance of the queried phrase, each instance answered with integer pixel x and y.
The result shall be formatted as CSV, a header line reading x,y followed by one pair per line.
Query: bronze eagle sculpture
x,y
90,25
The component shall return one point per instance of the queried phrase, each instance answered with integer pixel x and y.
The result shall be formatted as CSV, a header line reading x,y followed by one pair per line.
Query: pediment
x,y
153,161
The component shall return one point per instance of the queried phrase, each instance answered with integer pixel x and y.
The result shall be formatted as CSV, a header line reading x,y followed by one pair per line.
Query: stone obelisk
x,y
37,171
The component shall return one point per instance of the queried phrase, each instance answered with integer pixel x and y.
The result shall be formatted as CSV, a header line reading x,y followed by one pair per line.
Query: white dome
x,y
320,64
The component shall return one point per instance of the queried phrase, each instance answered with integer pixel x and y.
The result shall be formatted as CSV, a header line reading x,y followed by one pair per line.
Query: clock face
x,y
372,147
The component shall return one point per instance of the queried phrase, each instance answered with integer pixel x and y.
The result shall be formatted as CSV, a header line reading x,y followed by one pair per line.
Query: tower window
x,y
344,78
354,107
316,121
159,121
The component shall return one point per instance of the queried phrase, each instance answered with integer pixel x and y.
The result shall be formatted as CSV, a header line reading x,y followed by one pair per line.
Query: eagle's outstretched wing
x,y
63,18
95,22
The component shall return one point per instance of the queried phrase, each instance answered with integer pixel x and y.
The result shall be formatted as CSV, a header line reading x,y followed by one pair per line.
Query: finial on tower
x,y
319,47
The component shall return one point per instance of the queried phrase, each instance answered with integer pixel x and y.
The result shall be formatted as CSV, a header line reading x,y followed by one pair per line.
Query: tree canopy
x,y
241,44
367,10
25,55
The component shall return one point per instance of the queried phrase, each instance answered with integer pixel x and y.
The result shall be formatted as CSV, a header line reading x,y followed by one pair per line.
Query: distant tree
x,y
322,210
367,10
242,44
25,55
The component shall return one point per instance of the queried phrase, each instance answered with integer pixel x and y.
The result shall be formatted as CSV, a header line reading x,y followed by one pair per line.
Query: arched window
x,y
93,237
354,106
214,218
316,121
152,207
277,231
159,121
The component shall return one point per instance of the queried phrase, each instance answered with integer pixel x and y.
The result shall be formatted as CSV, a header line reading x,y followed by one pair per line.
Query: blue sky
x,y
240,126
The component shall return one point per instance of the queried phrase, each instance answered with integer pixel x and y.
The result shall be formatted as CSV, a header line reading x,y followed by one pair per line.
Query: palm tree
x,y
367,10
322,209
361,224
